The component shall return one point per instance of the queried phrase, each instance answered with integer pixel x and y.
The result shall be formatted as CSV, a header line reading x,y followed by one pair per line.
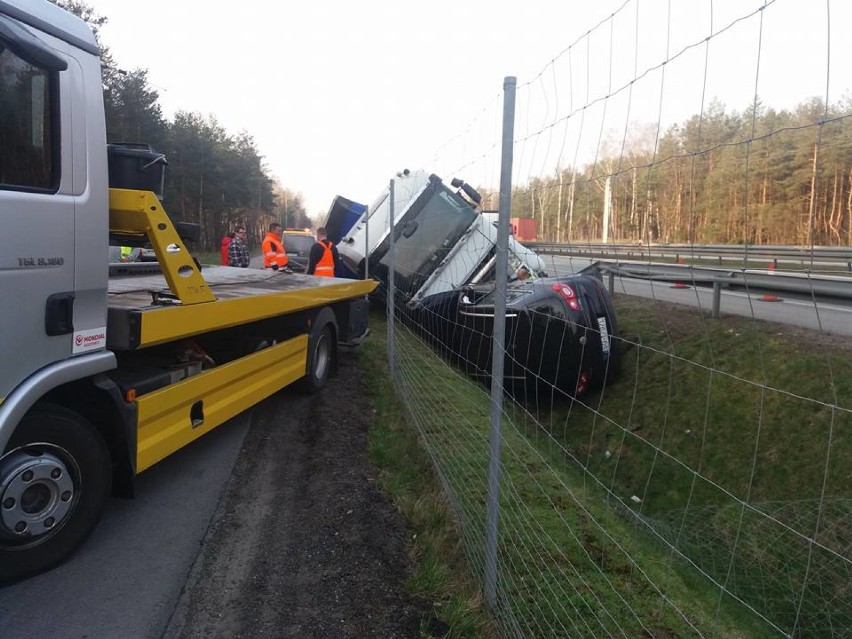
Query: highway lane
x,y
128,576
821,315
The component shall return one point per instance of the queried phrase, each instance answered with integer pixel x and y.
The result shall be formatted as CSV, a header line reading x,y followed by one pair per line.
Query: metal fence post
x,y
498,345
717,298
611,282
391,272
367,214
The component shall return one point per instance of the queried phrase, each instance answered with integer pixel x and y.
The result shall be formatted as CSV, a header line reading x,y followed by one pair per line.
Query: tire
x,y
322,353
55,478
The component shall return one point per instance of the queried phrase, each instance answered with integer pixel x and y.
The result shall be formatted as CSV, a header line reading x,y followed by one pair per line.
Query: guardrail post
x,y
611,282
717,298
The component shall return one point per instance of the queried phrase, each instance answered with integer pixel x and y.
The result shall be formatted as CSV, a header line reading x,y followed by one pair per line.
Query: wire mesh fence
x,y
663,472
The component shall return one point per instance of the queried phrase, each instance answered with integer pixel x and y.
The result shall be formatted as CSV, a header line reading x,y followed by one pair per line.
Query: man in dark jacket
x,y
323,256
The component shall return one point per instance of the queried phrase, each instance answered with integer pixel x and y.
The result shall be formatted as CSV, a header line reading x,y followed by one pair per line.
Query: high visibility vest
x,y
126,252
325,265
274,256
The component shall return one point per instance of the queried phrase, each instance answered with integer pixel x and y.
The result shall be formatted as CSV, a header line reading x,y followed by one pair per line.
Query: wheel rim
x,y
322,357
38,492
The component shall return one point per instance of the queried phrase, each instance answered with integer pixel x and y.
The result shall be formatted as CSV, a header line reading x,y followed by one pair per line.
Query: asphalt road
x,y
126,579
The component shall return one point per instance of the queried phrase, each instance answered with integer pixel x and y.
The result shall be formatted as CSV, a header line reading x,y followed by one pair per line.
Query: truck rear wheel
x,y
321,352
55,478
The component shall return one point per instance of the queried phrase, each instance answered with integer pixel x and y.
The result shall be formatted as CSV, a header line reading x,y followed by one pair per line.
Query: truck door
x,y
39,86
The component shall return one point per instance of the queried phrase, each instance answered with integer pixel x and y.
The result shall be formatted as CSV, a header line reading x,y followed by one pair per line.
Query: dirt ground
x,y
304,542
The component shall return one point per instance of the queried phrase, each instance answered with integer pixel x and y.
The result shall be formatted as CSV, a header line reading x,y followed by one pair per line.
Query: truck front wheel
x,y
55,478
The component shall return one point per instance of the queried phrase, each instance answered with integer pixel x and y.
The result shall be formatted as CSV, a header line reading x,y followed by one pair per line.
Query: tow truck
x,y
104,374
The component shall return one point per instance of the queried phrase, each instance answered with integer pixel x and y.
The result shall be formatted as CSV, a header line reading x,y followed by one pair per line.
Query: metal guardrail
x,y
750,279
804,256
805,283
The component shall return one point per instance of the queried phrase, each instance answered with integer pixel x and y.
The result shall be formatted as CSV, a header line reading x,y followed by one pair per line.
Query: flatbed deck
x,y
142,311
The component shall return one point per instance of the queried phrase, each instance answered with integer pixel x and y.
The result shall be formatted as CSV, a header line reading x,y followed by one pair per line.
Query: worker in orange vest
x,y
274,256
323,257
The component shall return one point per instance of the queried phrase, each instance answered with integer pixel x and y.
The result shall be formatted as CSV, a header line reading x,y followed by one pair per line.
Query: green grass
x,y
724,412
406,473
214,258
569,564
732,411
754,410
208,257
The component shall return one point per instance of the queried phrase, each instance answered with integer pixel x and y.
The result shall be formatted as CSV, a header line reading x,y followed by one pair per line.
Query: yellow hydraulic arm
x,y
141,213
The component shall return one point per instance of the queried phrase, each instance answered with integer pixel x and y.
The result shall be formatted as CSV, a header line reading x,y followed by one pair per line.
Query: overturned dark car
x,y
561,333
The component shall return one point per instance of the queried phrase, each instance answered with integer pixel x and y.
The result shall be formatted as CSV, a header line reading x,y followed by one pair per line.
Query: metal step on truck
x,y
102,376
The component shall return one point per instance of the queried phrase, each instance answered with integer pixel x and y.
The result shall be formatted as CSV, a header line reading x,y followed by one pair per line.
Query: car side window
x,y
27,152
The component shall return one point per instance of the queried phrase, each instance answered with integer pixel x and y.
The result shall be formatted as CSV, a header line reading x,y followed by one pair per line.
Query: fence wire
x,y
664,472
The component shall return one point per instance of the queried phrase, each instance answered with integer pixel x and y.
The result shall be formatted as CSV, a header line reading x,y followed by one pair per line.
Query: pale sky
x,y
340,95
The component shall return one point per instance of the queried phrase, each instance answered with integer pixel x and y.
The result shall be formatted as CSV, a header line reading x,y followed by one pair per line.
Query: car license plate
x,y
604,334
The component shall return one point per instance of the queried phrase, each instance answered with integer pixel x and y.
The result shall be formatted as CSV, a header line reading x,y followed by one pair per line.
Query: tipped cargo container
x,y
561,332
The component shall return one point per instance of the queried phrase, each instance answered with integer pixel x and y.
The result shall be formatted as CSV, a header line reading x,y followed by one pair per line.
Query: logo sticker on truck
x,y
92,339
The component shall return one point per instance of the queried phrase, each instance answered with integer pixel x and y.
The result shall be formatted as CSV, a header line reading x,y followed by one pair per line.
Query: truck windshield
x,y
428,231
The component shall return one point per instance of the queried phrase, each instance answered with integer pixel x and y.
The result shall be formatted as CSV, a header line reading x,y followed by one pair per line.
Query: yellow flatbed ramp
x,y
143,312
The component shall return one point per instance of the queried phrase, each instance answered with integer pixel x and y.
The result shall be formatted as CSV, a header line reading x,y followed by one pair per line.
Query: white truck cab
x,y
442,241
53,205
